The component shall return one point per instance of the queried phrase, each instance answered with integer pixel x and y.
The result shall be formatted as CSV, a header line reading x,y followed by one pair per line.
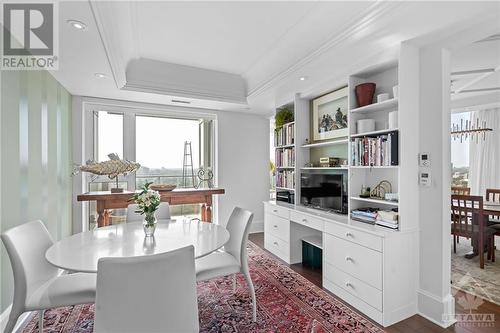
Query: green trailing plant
x,y
283,116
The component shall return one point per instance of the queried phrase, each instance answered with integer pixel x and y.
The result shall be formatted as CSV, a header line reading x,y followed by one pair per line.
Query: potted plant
x,y
283,116
148,202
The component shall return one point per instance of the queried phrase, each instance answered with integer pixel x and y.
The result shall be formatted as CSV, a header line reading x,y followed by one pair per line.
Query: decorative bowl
x,y
162,188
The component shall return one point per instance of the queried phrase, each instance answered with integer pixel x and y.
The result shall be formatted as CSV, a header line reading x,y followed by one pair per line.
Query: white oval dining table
x,y
81,252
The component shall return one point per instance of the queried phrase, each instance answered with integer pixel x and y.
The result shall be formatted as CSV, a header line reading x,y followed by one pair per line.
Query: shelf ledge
x,y
379,132
325,143
378,201
385,105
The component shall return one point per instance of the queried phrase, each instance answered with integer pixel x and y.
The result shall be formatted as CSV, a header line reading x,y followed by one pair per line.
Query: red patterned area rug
x,y
286,302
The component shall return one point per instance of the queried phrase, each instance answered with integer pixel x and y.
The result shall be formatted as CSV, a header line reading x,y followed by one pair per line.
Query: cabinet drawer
x,y
277,246
307,220
356,260
356,236
278,211
354,286
277,226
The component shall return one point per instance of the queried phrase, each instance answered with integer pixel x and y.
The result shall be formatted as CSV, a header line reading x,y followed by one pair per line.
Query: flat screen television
x,y
324,189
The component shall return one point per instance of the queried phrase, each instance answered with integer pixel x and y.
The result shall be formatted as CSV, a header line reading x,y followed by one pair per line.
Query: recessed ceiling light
x,y
100,75
79,25
303,78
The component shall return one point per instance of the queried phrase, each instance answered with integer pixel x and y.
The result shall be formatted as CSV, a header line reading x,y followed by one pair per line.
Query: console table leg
x,y
209,213
101,220
203,212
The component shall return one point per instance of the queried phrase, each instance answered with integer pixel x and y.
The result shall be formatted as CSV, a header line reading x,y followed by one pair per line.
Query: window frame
x,y
130,111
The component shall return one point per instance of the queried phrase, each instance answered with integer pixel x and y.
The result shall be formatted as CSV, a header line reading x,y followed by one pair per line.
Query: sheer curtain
x,y
484,156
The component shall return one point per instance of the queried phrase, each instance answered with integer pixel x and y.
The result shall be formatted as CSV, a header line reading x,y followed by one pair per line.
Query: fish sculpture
x,y
112,168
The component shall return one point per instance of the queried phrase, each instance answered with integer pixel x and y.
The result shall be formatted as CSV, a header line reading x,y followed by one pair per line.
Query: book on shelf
x,y
285,179
379,150
285,135
285,157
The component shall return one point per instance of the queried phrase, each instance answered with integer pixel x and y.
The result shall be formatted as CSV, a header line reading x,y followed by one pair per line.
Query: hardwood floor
x,y
415,324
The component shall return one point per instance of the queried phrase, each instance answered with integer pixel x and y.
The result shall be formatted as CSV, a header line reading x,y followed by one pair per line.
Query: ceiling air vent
x,y
180,101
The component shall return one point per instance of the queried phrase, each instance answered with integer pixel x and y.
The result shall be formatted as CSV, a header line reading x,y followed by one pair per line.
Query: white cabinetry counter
x,y
370,267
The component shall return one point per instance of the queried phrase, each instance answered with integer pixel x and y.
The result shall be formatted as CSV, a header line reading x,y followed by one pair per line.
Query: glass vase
x,y
149,224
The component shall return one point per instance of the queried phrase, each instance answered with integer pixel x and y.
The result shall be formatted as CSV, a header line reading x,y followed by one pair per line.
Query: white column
x,y
434,296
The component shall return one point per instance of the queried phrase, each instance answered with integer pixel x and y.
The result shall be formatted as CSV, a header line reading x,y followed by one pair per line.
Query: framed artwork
x,y
330,115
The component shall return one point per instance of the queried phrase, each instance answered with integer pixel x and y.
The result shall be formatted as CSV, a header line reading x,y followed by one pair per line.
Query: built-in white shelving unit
x,y
382,258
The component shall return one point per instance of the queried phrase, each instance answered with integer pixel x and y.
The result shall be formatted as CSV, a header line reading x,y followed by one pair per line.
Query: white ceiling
x,y
481,62
270,44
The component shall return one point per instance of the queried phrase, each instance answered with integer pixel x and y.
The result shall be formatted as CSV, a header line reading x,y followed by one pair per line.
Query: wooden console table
x,y
107,200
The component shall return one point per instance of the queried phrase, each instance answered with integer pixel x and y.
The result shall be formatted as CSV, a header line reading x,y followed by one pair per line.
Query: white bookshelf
x,y
385,77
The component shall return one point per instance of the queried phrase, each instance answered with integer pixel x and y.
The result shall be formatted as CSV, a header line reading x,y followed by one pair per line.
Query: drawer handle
x,y
275,243
275,226
348,234
349,259
275,210
304,220
348,284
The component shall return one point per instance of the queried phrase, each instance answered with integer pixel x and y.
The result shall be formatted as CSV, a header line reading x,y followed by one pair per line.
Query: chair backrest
x,y
155,293
460,190
26,246
163,212
238,226
493,195
467,212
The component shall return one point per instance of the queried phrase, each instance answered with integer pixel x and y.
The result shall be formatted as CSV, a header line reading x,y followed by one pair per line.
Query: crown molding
x,y
373,13
117,54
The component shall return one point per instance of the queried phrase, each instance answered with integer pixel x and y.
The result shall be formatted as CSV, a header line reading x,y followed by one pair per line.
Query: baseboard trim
x,y
440,311
257,226
21,322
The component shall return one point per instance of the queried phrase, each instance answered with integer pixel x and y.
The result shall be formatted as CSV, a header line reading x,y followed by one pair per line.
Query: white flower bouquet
x,y
148,202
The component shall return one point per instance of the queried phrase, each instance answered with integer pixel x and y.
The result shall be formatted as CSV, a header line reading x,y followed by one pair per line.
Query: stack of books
x,y
285,135
285,179
375,151
387,218
285,157
368,215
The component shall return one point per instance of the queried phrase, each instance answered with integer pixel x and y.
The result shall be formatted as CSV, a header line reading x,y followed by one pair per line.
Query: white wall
x,y
242,155
243,164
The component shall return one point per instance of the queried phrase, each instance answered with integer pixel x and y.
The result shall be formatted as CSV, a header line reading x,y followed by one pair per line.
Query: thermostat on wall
x,y
424,160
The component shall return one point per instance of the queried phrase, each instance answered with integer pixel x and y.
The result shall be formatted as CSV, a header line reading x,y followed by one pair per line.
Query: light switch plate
x,y
425,178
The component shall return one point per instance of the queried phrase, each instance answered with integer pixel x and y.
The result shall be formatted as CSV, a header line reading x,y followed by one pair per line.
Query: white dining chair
x,y
37,284
155,293
233,258
163,212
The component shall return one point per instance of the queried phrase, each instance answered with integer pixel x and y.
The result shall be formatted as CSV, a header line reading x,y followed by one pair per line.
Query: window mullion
x,y
129,146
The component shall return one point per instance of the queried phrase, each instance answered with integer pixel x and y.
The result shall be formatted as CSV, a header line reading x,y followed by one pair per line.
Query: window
x,y
108,129
158,144
160,148
460,153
